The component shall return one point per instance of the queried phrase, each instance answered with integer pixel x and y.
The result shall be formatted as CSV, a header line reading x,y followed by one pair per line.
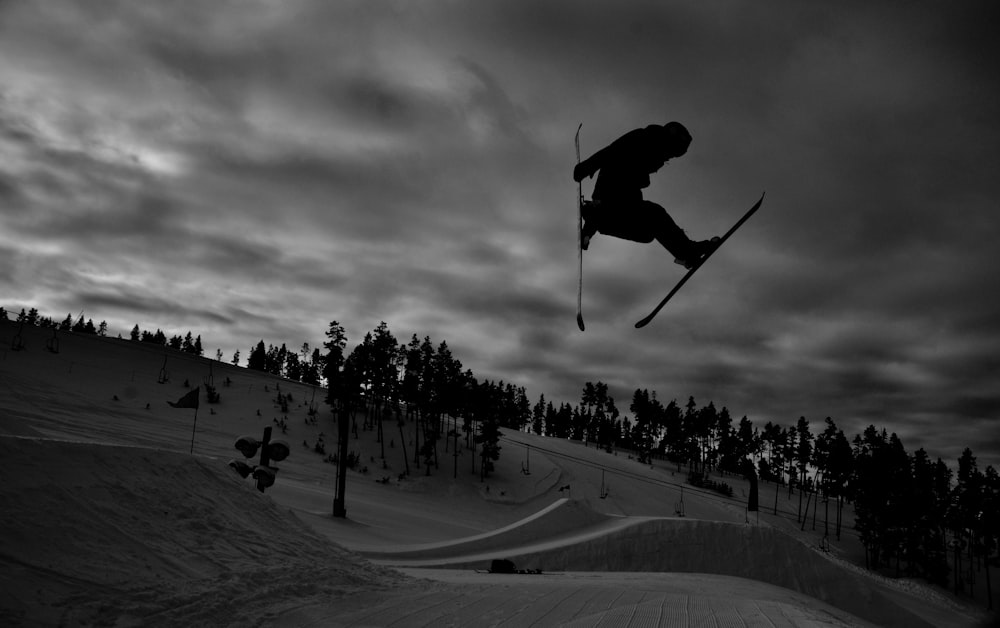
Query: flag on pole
x,y
189,400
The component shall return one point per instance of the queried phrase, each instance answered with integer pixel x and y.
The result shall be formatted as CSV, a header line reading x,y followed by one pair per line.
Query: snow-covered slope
x,y
101,533
107,518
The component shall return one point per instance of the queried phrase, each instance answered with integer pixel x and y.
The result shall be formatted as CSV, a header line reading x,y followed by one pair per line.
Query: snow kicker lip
x,y
556,519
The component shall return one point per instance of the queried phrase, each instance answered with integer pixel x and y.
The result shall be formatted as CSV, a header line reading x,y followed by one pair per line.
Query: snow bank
x,y
98,533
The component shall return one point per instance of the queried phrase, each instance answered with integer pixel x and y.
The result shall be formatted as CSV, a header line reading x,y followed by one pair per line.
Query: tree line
x,y
914,516
436,403
304,366
32,317
186,344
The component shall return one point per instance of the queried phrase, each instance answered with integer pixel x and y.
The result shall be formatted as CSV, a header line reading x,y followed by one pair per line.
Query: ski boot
x,y
697,252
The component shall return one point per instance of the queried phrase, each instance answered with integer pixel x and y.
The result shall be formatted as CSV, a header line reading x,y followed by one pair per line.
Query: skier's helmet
x,y
676,138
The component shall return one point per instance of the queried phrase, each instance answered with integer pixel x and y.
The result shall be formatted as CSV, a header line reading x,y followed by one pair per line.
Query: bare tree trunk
x,y
437,464
826,509
840,510
455,444
972,575
989,586
472,450
798,515
957,565
402,441
380,436
815,505
416,438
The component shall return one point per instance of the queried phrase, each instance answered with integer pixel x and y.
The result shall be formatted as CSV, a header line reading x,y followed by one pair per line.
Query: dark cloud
x,y
146,304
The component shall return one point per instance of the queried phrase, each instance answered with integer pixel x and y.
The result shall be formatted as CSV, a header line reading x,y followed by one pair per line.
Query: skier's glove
x,y
582,171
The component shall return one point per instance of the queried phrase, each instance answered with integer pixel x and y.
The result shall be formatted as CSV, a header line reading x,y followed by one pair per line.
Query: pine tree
x,y
489,440
649,417
990,524
538,416
871,492
839,469
293,368
689,423
311,370
925,533
258,357
333,363
384,376
967,506
803,455
412,369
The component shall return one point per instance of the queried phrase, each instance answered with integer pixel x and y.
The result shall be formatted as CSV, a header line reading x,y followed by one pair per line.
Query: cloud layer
x,y
255,170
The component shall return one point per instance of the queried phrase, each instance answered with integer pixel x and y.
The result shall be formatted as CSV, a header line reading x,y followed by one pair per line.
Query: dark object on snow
x,y
751,475
502,565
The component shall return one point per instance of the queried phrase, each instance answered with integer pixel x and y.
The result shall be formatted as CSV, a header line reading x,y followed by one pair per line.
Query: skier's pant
x,y
642,221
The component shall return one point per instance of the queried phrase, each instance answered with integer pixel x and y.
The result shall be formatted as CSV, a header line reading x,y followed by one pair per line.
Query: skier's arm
x,y
614,151
588,167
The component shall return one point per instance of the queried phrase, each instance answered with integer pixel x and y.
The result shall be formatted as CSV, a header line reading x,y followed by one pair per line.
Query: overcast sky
x,y
255,169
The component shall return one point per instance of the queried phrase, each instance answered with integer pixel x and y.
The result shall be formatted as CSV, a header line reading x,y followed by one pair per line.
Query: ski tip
x,y
579,321
643,323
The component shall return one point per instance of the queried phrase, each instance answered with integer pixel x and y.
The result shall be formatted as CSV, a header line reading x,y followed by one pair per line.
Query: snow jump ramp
x,y
658,544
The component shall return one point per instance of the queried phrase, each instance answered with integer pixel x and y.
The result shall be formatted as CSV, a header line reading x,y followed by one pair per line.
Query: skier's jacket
x,y
626,163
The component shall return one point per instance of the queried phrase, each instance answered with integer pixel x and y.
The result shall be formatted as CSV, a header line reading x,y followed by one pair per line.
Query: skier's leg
x,y
627,220
666,231
686,251
644,221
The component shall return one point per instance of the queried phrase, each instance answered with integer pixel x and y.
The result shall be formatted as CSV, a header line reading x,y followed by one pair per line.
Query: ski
x,y
684,279
579,237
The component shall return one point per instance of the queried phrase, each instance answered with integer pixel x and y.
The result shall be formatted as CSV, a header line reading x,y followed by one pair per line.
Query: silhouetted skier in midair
x,y
618,209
